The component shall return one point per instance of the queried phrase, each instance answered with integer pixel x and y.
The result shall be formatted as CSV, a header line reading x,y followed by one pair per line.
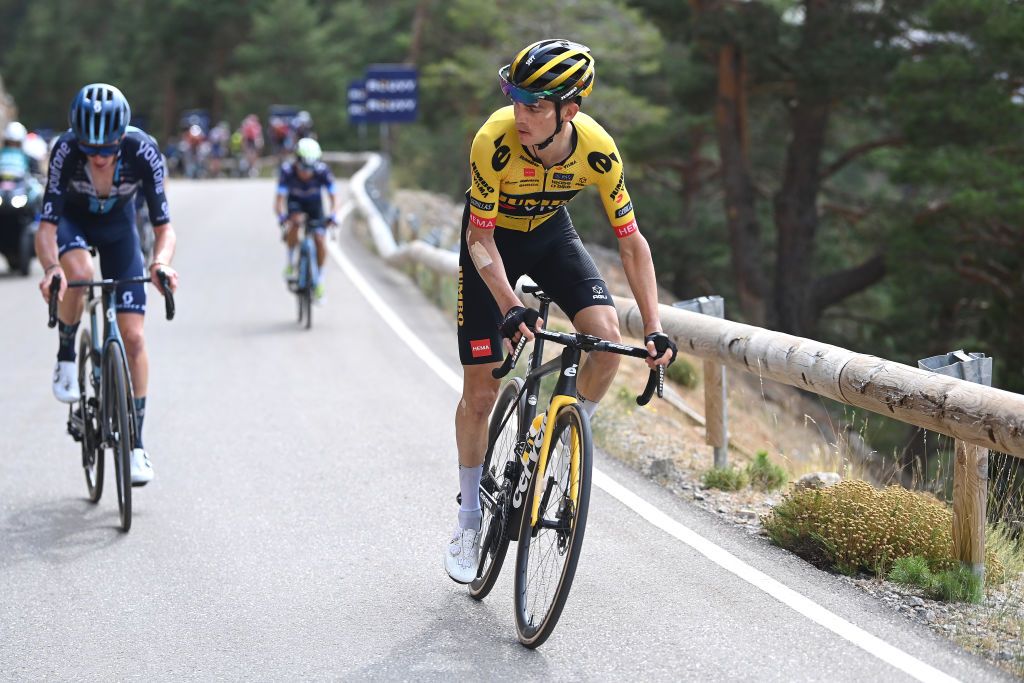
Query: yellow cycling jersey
x,y
510,188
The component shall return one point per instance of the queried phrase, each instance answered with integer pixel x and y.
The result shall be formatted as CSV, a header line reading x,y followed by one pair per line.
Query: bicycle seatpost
x,y
54,292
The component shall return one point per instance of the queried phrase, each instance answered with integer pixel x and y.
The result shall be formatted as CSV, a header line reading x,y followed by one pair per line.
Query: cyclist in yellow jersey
x,y
527,161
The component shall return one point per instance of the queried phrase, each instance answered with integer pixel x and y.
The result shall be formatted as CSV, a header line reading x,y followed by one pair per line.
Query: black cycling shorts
x,y
117,242
552,254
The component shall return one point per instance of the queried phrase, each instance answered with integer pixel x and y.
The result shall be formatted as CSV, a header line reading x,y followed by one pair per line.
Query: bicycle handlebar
x,y
109,284
168,294
585,342
54,292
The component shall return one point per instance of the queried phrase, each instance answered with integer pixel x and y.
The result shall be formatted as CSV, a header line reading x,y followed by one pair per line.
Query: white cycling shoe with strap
x,y
65,382
462,557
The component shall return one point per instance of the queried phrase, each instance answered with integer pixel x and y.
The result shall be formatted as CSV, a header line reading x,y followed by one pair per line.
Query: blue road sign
x,y
392,93
356,102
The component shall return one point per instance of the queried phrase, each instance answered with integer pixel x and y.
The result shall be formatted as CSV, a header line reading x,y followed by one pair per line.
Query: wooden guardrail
x,y
978,416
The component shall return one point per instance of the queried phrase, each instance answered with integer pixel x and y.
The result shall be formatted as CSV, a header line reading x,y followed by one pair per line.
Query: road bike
x,y
104,418
535,487
303,282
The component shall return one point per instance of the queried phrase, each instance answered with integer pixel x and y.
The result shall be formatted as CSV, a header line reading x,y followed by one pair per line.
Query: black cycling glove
x,y
662,343
509,327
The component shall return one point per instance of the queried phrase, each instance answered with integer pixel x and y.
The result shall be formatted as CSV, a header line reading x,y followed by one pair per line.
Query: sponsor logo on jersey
x,y
502,155
599,293
483,206
481,185
625,230
624,210
60,155
562,177
529,172
156,164
600,162
481,222
617,189
480,348
618,200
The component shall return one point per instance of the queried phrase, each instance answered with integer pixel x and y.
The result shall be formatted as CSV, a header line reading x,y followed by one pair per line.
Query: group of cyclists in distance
x,y
527,161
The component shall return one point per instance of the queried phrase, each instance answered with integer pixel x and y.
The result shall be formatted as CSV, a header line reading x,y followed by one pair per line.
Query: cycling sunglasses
x,y
520,95
99,150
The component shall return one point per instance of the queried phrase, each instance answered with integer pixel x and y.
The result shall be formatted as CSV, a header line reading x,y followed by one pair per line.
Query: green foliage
x,y
765,475
682,372
725,479
911,570
854,527
959,584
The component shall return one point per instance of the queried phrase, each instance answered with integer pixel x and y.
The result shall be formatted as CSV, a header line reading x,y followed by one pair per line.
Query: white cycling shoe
x,y
65,382
142,471
462,557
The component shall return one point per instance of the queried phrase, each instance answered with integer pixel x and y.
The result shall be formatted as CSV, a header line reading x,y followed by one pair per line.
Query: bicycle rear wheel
x,y
496,486
116,409
550,549
92,437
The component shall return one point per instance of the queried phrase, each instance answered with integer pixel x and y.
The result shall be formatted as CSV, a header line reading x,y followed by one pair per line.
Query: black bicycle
x,y
536,479
104,418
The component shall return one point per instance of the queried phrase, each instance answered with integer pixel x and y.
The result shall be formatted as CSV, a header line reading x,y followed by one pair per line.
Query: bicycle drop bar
x,y
168,294
586,342
110,284
54,291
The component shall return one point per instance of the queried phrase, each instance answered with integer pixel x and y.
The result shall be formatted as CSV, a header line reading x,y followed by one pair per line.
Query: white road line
x,y
873,645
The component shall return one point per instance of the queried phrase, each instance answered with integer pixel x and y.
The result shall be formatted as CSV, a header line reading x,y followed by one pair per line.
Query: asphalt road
x,y
305,485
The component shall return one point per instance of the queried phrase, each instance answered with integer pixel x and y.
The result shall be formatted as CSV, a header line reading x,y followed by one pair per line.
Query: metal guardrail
x,y
975,414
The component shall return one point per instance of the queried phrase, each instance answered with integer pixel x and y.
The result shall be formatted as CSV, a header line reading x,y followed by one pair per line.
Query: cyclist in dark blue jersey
x,y
299,193
96,168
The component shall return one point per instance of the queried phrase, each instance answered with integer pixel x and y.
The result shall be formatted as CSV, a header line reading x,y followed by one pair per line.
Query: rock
x,y
697,495
915,601
745,513
662,467
924,615
817,480
722,510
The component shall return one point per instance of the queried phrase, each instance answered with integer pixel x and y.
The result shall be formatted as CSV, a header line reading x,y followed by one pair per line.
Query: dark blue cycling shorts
x,y
313,207
120,255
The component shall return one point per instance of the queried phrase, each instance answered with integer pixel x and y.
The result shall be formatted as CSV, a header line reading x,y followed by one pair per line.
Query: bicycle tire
x,y
501,448
540,594
116,409
307,290
92,451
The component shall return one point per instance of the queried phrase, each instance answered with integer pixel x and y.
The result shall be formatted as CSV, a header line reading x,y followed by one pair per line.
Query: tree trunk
x,y
419,24
796,220
740,200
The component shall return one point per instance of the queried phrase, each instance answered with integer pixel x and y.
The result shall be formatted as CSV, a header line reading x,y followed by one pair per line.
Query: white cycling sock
x,y
589,407
289,256
469,486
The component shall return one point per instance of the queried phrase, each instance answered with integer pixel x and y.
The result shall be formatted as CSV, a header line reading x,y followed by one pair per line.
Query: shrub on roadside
x,y
765,475
952,585
682,372
725,478
854,527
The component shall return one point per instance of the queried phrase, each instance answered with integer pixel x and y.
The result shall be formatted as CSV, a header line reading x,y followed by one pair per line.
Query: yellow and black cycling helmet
x,y
551,69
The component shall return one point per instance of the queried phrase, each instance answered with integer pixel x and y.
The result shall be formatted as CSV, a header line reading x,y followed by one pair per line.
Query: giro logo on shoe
x,y
527,475
570,371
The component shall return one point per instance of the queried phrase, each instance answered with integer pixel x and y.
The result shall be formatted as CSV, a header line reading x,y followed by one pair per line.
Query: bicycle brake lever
x,y
510,361
655,381
168,295
54,292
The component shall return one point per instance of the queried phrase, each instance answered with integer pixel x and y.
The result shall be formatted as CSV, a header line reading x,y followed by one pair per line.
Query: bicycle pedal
x,y
458,498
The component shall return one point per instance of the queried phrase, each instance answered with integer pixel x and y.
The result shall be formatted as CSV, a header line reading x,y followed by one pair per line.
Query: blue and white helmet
x,y
99,114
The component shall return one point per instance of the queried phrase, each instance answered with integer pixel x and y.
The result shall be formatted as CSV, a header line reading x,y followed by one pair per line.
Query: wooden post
x,y
715,412
970,495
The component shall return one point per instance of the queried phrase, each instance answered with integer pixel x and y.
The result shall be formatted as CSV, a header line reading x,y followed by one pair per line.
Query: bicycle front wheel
x,y
88,406
496,486
307,291
550,549
116,398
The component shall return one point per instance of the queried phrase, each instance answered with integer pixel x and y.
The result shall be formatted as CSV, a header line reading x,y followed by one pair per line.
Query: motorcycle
x,y
19,207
